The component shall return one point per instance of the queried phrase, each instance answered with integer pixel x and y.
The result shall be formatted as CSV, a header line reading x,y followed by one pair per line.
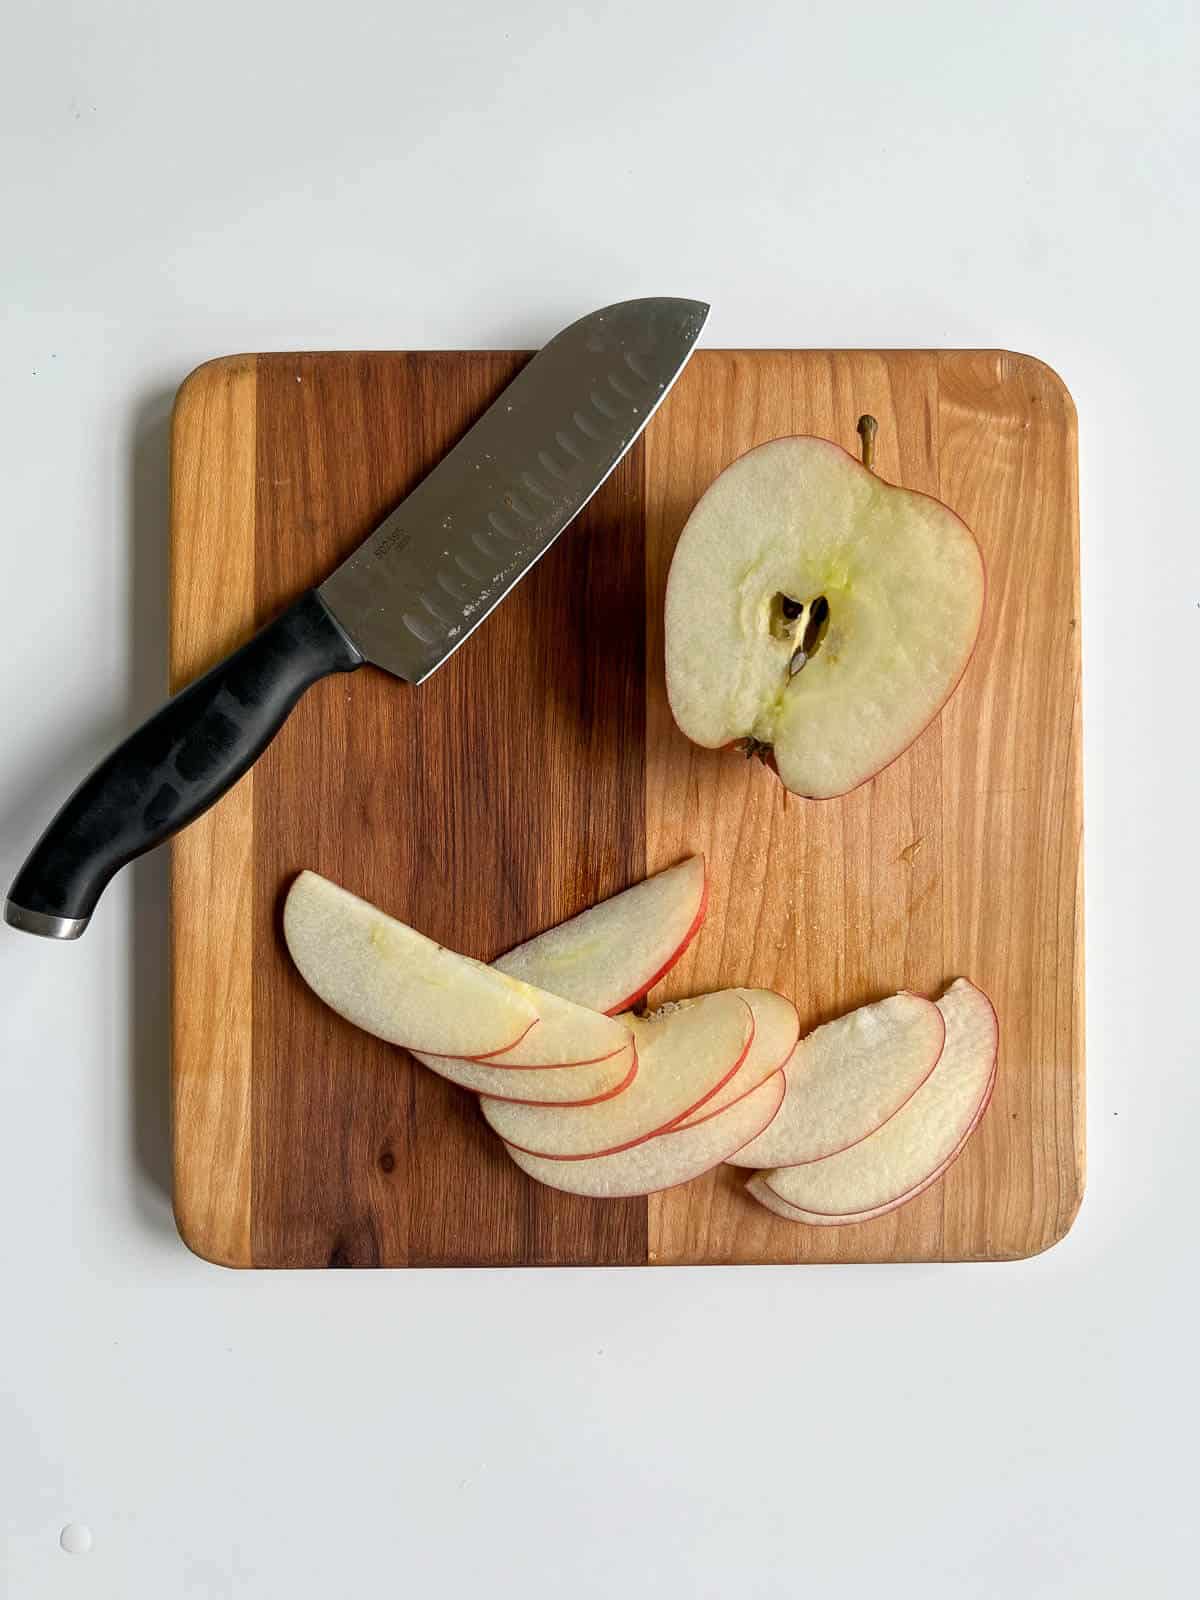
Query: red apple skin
x,y
831,1219
490,1053
541,1066
616,1149
525,1100
769,760
656,977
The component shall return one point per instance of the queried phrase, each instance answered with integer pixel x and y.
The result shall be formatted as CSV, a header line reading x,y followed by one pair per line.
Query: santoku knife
x,y
405,600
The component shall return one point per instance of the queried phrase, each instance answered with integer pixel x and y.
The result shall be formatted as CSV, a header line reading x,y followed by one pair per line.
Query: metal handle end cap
x,y
41,923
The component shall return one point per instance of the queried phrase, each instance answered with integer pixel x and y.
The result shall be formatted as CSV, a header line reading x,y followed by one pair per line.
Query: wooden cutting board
x,y
540,771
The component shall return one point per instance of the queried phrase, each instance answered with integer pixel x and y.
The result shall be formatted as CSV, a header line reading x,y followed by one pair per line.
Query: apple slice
x,y
660,1163
919,1142
759,1188
776,1029
609,956
565,1034
582,1085
818,612
685,1053
391,980
847,1078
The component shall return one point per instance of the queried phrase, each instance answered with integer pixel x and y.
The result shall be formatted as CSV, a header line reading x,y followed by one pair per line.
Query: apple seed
x,y
815,630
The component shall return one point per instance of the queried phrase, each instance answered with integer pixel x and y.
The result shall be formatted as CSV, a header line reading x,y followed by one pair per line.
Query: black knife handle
x,y
174,767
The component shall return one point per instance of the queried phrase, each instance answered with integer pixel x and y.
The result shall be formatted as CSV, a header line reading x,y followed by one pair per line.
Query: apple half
x,y
392,981
609,956
917,1145
661,1163
847,1078
818,613
686,1052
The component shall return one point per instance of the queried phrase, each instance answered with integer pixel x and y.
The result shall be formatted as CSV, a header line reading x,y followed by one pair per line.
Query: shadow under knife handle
x,y
174,767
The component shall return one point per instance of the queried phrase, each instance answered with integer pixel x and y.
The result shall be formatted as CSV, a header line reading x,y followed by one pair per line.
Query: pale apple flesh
x,y
760,1190
662,1162
776,1029
917,1143
392,981
609,956
685,1055
541,1086
796,522
847,1078
565,1034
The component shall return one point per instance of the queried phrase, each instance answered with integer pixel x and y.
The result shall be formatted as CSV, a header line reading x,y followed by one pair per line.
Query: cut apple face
x,y
819,613
685,1054
847,1078
776,1029
541,1086
609,956
565,1034
915,1146
662,1162
392,981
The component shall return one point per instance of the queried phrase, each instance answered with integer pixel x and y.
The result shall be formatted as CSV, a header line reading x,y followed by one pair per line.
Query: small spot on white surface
x,y
76,1538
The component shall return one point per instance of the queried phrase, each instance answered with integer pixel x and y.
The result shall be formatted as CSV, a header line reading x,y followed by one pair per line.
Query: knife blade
x,y
404,600
427,577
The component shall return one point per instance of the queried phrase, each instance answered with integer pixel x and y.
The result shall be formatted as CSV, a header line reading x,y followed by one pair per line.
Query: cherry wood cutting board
x,y
540,771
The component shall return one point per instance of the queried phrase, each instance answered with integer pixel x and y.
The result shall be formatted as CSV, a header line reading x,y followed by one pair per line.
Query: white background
x,y
182,181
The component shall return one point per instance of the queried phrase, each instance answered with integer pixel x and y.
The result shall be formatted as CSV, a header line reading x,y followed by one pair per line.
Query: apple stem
x,y
867,429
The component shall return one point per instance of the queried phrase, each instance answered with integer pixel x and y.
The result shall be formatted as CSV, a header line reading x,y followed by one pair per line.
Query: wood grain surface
x,y
539,770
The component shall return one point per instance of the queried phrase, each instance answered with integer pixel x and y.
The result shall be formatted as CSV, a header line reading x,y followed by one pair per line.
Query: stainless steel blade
x,y
449,553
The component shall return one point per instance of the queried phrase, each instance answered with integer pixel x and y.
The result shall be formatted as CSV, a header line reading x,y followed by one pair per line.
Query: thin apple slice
x,y
916,1144
760,1189
565,1034
776,1029
662,1162
819,612
391,980
685,1054
582,1085
609,956
847,1078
